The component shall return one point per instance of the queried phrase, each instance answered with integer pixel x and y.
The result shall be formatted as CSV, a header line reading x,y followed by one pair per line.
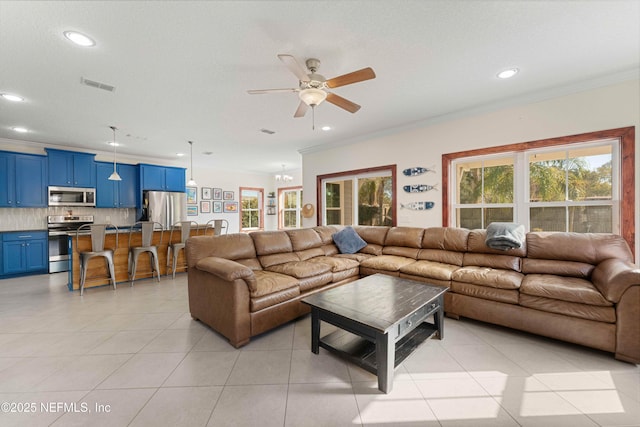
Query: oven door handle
x,y
58,233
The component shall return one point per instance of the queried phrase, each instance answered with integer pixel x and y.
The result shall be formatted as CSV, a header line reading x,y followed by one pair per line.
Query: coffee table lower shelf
x,y
362,352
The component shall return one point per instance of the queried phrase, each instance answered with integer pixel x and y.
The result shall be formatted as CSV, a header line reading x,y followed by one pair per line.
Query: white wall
x,y
232,181
603,108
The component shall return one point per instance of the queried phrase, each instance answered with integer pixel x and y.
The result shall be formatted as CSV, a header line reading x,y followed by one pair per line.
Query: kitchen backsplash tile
x,y
18,219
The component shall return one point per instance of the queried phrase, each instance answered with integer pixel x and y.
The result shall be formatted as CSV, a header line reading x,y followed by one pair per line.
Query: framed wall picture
x,y
206,193
217,194
227,195
192,196
217,207
230,207
205,206
192,210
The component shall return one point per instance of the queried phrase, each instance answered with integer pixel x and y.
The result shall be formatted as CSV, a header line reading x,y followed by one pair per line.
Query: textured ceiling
x,y
181,69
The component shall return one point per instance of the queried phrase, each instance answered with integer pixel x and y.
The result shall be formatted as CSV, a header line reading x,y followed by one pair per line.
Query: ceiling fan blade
x,y
343,103
355,77
302,110
261,91
294,66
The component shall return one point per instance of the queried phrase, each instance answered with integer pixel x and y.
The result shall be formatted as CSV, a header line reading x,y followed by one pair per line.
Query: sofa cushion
x,y
356,257
445,238
590,248
326,233
300,269
443,256
491,277
269,282
371,234
571,289
272,288
271,242
224,268
304,238
336,263
281,258
503,262
406,237
316,281
310,253
348,241
509,296
430,269
559,268
583,311
386,262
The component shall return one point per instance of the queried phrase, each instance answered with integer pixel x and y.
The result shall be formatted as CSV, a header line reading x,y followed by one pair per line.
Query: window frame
x,y
260,209
626,138
356,173
282,209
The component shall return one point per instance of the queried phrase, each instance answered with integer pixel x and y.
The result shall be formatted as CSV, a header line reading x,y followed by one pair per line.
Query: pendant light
x,y
191,182
114,176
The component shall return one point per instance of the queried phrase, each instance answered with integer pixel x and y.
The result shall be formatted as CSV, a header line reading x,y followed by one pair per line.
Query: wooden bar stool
x,y
97,233
146,229
175,248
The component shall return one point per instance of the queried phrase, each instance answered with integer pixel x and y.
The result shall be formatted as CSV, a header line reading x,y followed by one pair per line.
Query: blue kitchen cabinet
x,y
71,169
25,252
116,194
23,180
162,178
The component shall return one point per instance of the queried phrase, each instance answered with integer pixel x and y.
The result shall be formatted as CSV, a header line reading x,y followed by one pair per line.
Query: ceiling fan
x,y
313,87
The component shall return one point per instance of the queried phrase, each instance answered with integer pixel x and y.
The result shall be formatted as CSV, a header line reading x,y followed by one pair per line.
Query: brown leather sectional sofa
x,y
580,288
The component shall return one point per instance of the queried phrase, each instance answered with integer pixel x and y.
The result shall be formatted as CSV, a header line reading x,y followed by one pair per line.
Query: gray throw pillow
x,y
348,241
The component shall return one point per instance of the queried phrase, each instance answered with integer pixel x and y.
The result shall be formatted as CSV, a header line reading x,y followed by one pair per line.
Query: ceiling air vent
x,y
97,85
267,131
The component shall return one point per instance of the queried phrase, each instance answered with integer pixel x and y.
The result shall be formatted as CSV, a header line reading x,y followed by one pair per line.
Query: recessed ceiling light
x,y
11,97
326,128
506,74
20,129
179,154
111,143
79,38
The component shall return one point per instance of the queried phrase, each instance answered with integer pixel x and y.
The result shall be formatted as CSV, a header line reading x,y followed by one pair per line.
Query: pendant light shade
x,y
114,176
191,182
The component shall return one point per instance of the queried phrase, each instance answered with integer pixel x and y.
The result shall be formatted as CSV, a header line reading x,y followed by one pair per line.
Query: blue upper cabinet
x,y
71,169
162,178
116,194
23,180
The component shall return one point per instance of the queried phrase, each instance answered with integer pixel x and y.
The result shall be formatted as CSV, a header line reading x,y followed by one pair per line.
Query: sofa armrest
x,y
614,276
227,270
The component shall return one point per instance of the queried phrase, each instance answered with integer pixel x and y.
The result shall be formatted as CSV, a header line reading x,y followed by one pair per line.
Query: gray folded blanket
x,y
505,235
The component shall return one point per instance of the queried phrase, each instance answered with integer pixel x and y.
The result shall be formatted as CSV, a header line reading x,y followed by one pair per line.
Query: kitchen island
x,y
97,273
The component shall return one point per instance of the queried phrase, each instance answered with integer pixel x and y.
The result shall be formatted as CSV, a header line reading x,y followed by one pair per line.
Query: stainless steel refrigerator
x,y
164,207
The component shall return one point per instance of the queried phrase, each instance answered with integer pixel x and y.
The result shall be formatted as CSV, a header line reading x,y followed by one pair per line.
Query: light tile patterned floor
x,y
134,357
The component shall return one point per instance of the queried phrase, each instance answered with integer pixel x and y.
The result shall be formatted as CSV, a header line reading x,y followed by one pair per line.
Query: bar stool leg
x,y
175,262
112,274
83,267
134,261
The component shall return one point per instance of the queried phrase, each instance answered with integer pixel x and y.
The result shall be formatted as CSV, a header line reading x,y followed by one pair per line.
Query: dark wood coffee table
x,y
381,320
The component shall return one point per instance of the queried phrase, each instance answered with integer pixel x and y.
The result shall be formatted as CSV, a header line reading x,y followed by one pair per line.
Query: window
x,y
251,202
291,207
360,197
581,183
485,191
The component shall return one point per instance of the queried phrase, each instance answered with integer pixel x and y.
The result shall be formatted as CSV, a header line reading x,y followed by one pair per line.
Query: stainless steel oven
x,y
61,227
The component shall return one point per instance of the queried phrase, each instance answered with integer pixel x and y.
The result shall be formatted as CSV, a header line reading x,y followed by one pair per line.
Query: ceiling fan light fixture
x,y
312,97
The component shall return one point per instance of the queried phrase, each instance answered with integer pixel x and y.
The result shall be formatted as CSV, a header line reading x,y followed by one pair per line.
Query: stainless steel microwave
x,y
72,196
